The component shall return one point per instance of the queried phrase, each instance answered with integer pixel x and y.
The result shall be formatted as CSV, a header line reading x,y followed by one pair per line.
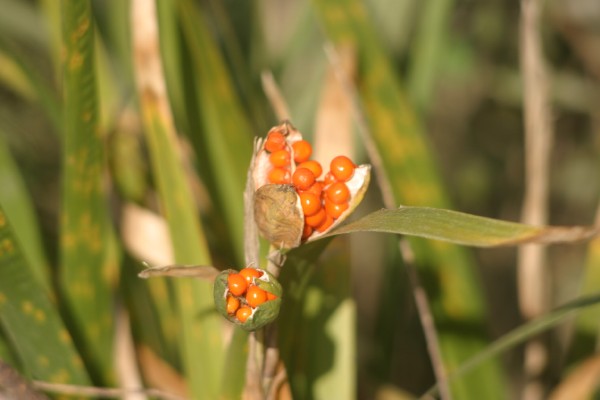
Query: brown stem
x,y
533,285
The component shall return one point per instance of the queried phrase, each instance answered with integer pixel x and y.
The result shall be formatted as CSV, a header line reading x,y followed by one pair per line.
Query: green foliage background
x,y
438,83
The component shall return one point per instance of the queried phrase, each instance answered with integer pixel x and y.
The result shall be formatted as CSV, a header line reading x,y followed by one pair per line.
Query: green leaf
x,y
411,178
317,322
522,334
200,336
87,243
461,228
30,320
235,365
223,139
17,202
199,346
18,73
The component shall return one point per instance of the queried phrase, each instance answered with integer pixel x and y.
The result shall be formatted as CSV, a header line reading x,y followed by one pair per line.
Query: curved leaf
x,y
462,228
522,334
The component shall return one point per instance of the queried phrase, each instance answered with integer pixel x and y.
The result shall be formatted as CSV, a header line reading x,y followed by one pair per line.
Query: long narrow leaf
x,y
200,344
30,320
461,228
87,243
17,202
225,137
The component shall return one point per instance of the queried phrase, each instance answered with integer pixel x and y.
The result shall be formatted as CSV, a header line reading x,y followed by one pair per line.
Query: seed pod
x,y
357,186
261,315
277,207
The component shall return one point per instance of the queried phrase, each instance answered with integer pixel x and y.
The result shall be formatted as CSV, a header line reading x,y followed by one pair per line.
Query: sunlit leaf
x,y
30,320
200,340
87,244
461,228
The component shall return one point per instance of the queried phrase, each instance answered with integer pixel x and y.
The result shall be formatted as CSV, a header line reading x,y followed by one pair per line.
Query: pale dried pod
x,y
278,215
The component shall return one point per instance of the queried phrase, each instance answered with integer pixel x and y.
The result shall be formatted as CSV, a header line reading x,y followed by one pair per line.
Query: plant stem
x,y
532,268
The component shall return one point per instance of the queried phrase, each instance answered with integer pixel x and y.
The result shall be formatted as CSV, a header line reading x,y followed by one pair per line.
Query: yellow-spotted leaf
x,y
88,253
30,320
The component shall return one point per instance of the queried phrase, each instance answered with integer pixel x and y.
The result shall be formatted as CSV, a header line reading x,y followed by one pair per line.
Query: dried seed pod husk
x,y
261,315
357,186
278,215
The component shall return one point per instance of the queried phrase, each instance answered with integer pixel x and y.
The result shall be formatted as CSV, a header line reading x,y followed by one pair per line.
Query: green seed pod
x,y
261,315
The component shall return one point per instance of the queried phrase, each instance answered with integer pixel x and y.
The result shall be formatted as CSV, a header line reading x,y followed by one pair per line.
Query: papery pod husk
x,y
358,185
263,314
278,215
277,209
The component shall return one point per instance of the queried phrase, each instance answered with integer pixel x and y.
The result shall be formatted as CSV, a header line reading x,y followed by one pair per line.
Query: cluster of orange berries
x,y
323,201
244,296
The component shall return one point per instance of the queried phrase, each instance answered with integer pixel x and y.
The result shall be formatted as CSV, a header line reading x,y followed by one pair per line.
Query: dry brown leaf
x,y
581,383
159,374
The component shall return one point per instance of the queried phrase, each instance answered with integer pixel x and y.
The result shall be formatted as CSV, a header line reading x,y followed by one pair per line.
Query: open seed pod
x,y
248,300
294,201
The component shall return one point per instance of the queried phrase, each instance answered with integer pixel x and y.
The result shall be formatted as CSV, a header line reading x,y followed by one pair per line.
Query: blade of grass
x,y
88,255
17,202
200,346
20,20
32,85
426,51
306,349
224,138
408,170
30,320
522,334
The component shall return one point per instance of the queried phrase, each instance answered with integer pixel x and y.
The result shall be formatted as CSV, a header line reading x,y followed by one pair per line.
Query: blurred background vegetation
x,y
440,79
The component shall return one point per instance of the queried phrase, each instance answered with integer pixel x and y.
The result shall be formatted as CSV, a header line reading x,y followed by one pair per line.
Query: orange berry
x,y
314,166
335,209
275,141
316,189
233,303
329,179
326,224
307,231
279,175
280,158
271,296
303,178
338,193
302,151
310,203
243,313
250,273
316,219
237,284
255,296
342,168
